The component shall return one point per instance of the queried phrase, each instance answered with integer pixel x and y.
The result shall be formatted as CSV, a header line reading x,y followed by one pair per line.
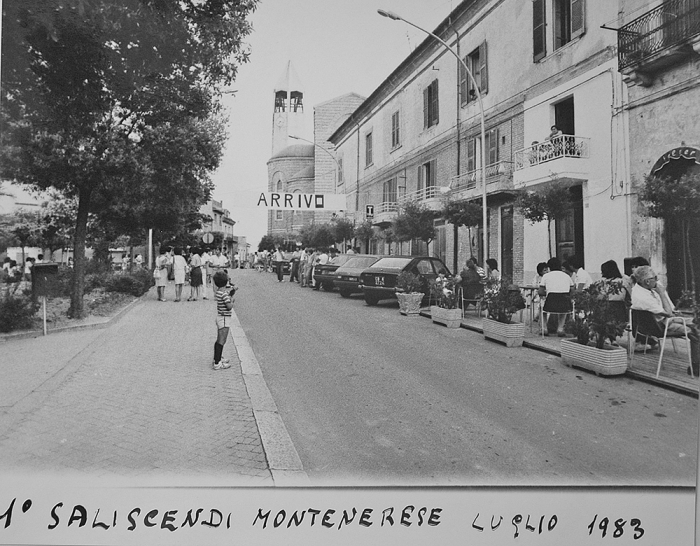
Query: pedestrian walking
x,y
160,273
195,274
278,259
224,304
179,269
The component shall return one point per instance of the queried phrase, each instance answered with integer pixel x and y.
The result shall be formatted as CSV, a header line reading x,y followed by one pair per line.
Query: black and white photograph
x,y
395,271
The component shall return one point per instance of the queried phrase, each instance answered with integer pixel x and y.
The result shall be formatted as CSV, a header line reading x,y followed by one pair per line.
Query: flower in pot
x,y
409,292
596,321
443,291
502,300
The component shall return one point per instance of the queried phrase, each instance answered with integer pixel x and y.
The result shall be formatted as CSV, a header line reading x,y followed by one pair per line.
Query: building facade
x,y
418,136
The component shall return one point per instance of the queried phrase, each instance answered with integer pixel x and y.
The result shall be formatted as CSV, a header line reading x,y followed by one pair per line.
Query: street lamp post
x,y
335,161
395,17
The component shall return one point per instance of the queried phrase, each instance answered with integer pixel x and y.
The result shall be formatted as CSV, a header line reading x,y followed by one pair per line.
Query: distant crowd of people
x,y
12,272
195,266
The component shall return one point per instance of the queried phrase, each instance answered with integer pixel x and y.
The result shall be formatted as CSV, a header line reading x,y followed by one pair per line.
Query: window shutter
x,y
426,106
436,104
433,173
539,29
484,88
578,17
463,87
420,177
492,137
471,155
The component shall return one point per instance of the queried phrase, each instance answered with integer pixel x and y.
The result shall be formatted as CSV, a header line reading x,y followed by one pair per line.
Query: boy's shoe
x,y
225,363
218,366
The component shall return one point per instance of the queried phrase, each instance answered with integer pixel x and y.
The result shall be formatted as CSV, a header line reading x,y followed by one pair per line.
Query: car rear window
x,y
394,263
340,260
359,261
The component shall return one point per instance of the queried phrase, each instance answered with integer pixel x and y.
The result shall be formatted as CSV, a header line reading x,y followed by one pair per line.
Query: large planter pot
x,y
607,361
510,334
409,304
452,318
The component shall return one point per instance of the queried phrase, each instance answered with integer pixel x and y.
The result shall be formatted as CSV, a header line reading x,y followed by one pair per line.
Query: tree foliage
x,y
365,232
676,200
549,202
317,235
415,221
115,103
343,229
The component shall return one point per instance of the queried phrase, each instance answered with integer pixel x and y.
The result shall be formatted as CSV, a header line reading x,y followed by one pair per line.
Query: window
x,y
427,175
395,130
297,101
430,105
341,178
280,101
569,23
368,149
389,192
476,62
492,150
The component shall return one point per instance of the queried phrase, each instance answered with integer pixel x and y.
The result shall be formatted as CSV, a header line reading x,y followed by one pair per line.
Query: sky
x,y
336,47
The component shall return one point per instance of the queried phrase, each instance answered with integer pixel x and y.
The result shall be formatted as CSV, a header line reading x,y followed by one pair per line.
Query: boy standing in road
x,y
224,304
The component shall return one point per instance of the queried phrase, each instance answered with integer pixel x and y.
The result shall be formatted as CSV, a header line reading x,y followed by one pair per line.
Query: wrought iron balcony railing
x,y
555,148
468,180
670,24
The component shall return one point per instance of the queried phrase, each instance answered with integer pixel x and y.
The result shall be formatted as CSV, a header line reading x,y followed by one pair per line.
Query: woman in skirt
x,y
195,274
556,287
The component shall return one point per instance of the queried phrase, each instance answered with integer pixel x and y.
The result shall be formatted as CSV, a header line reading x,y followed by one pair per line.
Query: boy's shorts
x,y
223,322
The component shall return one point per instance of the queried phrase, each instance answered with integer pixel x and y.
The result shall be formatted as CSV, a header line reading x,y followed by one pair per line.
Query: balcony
x,y
429,196
498,178
663,36
565,157
385,212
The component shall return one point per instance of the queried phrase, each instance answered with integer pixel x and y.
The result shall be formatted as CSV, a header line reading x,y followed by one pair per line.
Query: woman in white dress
x,y
179,268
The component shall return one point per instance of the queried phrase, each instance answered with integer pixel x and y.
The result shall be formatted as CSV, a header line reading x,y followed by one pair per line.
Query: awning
x,y
684,152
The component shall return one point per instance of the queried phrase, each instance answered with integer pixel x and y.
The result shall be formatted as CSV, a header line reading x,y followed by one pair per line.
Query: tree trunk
x,y
78,283
455,248
689,257
549,236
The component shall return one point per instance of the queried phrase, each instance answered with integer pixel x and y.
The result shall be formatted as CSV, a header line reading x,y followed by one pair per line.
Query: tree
x,y
317,235
343,229
99,100
365,232
676,200
266,243
462,213
550,202
415,221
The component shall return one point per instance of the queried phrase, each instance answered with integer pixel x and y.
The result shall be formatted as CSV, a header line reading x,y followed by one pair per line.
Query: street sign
x,y
208,238
369,211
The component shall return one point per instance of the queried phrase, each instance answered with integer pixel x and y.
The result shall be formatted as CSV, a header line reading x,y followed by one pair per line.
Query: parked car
x,y
378,281
324,274
347,276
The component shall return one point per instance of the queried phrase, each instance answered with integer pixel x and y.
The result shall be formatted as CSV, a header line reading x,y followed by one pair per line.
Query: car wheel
x,y
371,300
345,293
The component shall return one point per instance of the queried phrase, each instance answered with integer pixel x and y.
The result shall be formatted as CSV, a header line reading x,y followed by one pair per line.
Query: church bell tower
x,y
288,115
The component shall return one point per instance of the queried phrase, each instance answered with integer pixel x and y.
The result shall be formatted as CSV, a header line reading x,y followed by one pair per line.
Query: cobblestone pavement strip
x,y
143,402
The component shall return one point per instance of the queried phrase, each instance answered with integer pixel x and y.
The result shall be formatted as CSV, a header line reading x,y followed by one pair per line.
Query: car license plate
x,y
379,281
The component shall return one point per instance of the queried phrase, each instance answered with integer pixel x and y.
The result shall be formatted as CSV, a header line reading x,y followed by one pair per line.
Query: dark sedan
x,y
378,281
324,274
347,276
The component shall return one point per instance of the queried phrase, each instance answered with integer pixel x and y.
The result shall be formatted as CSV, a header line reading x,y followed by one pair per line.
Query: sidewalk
x,y
139,399
673,373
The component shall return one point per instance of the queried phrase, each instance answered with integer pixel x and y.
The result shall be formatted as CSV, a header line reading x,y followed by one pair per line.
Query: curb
x,y
91,326
282,458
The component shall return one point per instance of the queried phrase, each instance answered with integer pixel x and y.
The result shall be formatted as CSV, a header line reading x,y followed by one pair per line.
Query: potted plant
x,y
446,309
595,322
502,300
409,292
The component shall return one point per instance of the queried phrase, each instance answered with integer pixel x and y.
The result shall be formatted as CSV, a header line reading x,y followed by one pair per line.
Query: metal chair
x,y
644,324
472,295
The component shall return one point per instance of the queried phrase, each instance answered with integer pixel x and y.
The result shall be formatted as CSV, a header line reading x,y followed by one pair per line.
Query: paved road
x,y
369,396
138,399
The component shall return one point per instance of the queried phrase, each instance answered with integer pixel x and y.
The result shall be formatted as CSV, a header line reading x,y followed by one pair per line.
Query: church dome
x,y
295,151
307,172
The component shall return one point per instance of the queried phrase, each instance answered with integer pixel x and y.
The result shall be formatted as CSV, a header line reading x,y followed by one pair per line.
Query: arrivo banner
x,y
302,201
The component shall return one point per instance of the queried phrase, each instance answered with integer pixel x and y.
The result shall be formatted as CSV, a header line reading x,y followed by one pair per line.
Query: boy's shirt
x,y
222,299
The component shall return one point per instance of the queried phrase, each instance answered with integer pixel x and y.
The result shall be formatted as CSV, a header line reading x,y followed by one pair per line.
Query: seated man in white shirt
x,y
646,296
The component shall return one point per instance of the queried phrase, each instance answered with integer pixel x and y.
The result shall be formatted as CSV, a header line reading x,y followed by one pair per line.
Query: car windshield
x,y
341,259
393,263
359,262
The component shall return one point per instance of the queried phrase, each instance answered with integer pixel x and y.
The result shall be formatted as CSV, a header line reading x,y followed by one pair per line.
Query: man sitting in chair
x,y
647,296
